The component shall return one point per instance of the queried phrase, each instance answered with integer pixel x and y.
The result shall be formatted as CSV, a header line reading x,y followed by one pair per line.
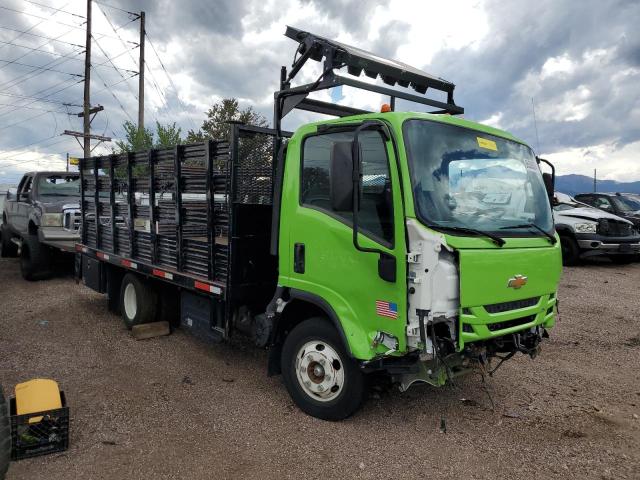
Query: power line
x,y
114,95
48,95
40,99
11,157
115,8
33,73
22,12
133,59
171,82
114,66
54,8
26,32
32,26
12,62
30,108
78,27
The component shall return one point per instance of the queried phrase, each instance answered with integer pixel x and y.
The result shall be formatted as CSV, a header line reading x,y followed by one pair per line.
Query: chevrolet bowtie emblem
x,y
517,281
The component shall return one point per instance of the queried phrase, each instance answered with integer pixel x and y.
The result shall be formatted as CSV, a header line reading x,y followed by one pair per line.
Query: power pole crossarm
x,y
87,86
141,76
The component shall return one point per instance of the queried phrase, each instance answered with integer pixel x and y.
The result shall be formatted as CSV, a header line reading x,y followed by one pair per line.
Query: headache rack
x,y
338,55
198,211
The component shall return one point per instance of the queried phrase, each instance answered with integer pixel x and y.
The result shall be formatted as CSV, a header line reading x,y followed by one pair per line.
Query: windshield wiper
x,y
551,238
494,238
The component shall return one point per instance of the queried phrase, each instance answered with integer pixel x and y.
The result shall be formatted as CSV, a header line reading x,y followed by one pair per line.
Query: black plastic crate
x,y
48,435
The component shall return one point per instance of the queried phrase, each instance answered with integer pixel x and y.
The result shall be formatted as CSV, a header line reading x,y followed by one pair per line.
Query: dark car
x,y
624,205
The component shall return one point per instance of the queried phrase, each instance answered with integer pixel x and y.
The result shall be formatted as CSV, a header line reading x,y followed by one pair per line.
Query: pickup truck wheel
x,y
570,250
7,247
319,374
35,259
138,301
622,259
5,436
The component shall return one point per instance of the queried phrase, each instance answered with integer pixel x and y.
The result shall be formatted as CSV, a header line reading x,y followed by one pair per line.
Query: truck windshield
x,y
626,204
59,186
469,179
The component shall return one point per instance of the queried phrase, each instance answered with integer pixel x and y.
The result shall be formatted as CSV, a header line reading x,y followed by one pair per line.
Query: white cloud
x,y
622,164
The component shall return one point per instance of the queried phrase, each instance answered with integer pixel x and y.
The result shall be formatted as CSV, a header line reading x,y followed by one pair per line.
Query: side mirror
x,y
547,178
341,185
11,193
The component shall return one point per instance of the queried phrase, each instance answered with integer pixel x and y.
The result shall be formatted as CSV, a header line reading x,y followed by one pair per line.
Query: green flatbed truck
x,y
417,245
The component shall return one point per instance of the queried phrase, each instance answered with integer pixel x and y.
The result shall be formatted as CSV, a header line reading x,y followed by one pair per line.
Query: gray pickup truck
x,y
39,219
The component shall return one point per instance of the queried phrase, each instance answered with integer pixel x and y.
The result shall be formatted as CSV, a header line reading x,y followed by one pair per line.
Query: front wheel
x,y
319,375
35,259
570,250
622,259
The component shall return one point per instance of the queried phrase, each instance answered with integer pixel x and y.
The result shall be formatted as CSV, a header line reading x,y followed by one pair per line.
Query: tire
x,y
321,378
8,249
5,436
622,259
138,301
570,250
35,259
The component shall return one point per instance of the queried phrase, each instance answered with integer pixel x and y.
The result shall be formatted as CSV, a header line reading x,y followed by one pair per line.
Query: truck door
x,y
320,257
23,205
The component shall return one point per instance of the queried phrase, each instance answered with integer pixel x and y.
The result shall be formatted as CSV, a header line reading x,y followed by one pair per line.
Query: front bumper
x,y
594,244
59,237
477,323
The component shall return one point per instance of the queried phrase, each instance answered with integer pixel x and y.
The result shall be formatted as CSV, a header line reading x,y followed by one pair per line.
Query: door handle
x,y
298,258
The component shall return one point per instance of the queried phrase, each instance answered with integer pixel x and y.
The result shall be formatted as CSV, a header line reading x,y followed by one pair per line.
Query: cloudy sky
x,y
576,63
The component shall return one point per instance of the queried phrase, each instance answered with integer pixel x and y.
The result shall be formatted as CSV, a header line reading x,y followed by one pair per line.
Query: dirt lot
x,y
173,407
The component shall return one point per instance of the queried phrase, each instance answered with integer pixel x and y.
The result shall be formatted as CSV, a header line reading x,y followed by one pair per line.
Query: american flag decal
x,y
386,309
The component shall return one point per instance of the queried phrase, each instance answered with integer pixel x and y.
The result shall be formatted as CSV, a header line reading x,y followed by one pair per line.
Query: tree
x,y
136,139
141,139
168,135
215,126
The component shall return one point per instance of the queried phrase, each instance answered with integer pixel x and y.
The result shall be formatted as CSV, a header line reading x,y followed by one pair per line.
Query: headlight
x,y
52,220
585,227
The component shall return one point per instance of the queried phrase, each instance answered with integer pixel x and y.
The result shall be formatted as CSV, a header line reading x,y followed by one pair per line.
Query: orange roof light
x,y
385,108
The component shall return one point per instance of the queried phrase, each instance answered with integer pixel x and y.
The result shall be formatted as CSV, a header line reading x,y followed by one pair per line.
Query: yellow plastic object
x,y
37,395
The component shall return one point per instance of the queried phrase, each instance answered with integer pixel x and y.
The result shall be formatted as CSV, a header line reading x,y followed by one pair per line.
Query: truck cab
x,y
41,216
420,246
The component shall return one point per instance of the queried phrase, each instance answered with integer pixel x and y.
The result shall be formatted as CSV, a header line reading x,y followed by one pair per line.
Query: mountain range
x,y
573,184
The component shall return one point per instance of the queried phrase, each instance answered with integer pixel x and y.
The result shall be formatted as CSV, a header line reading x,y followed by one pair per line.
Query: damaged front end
x,y
449,336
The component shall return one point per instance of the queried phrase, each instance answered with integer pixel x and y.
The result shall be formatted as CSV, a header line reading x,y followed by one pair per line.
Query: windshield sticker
x,y
531,164
488,144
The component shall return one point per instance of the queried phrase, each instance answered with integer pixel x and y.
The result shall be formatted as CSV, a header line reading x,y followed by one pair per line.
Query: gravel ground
x,y
173,407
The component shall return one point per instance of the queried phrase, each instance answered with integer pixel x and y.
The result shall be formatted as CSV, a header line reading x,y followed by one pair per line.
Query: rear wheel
x,y
318,373
35,259
7,247
138,301
5,436
570,250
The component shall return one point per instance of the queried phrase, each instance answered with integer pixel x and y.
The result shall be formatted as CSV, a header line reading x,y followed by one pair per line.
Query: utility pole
x,y
67,161
594,180
87,111
87,86
141,76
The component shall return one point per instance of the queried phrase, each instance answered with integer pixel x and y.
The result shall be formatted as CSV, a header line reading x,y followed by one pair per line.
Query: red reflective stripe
x,y
126,263
202,286
158,273
78,247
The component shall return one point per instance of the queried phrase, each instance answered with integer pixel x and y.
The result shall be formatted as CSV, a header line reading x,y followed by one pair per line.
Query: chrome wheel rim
x,y
130,301
320,371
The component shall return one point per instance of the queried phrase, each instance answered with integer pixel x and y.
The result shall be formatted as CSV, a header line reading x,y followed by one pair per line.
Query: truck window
x,y
26,188
376,211
603,203
59,186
